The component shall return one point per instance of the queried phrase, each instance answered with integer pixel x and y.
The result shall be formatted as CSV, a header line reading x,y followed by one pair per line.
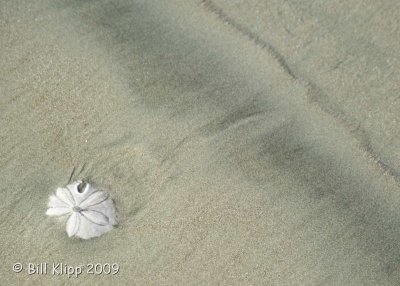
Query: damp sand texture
x,y
244,142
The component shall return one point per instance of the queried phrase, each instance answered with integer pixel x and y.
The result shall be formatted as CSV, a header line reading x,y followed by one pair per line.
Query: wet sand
x,y
244,142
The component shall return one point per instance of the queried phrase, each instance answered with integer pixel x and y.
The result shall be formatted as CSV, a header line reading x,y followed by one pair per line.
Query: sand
x,y
244,142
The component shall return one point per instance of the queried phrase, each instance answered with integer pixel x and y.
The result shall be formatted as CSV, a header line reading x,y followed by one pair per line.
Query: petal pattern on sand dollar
x,y
58,211
65,196
73,224
96,217
91,212
94,199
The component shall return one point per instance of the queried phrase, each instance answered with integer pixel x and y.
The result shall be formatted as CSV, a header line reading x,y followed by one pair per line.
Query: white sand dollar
x,y
91,212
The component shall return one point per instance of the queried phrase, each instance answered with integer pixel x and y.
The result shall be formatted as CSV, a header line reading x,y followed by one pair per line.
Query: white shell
x,y
91,212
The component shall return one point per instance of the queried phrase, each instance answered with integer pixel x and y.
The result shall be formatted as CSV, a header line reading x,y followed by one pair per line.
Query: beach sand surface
x,y
244,142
